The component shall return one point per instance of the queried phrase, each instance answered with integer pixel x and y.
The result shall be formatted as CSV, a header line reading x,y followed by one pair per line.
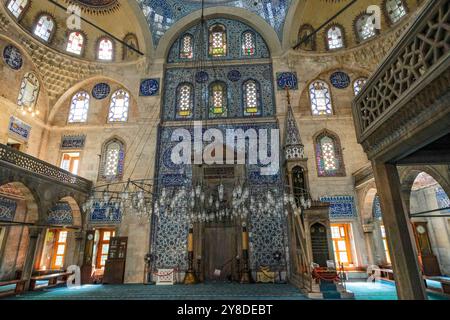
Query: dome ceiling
x,y
162,14
98,3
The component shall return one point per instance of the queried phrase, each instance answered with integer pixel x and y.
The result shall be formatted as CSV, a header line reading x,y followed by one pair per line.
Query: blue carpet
x,y
178,292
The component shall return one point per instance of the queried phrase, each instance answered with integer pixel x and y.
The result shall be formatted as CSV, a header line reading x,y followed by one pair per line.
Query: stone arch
x,y
292,24
367,205
77,216
245,16
31,200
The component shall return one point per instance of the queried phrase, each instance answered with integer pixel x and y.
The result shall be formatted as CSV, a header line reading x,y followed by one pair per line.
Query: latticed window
x,y
75,43
44,27
218,99
335,38
329,156
185,100
395,10
217,41
320,98
105,49
113,160
29,91
365,27
120,103
187,45
79,107
16,7
248,43
251,97
358,85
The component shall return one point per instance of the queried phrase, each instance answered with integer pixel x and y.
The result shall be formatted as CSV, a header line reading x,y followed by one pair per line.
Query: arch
x,y
77,216
114,151
243,15
336,168
367,206
30,197
292,24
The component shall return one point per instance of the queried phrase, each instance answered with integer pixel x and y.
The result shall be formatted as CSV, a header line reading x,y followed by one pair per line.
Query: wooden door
x,y
220,251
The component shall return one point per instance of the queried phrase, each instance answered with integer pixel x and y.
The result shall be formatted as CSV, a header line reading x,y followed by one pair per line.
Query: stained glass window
x,y
185,100
217,41
186,49
75,43
79,107
118,109
113,160
319,92
365,27
335,38
251,97
105,49
248,43
218,99
44,27
29,91
329,156
395,10
358,85
16,7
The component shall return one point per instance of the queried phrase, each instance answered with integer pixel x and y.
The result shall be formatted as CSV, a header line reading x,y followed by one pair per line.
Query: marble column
x,y
408,277
78,253
368,237
34,234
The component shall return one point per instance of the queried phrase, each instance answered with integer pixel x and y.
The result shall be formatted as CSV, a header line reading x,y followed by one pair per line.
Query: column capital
x,y
368,227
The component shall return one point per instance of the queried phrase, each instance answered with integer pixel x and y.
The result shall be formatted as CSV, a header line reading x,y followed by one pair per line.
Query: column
x,y
77,255
368,237
410,284
34,234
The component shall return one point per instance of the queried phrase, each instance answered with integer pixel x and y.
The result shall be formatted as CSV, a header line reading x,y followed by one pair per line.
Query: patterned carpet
x,y
178,292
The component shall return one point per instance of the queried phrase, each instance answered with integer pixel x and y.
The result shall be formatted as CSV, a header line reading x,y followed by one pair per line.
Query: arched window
x,y
248,43
365,27
132,41
118,109
358,85
218,99
305,36
319,92
113,157
395,10
105,49
251,98
29,92
329,155
79,107
335,38
187,47
75,42
17,7
44,27
185,100
217,41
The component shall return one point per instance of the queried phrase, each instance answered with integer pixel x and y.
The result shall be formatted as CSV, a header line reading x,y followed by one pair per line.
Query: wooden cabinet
x,y
115,265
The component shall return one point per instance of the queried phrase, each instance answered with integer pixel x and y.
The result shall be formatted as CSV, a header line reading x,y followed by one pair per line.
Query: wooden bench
x,y
19,287
52,280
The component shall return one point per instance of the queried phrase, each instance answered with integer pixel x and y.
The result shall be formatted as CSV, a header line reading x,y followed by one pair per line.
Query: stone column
x,y
34,234
79,237
408,278
368,237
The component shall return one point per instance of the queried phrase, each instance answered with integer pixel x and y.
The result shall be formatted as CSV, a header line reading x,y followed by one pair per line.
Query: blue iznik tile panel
x,y
341,207
101,215
60,214
234,30
262,73
267,234
376,208
162,14
8,209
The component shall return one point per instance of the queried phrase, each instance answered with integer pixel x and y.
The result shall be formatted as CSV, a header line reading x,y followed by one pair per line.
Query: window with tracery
x,y
335,38
319,92
118,109
358,85
79,107
17,7
185,101
365,27
29,92
329,156
248,43
44,27
105,49
395,10
217,41
113,158
218,99
251,98
187,47
75,43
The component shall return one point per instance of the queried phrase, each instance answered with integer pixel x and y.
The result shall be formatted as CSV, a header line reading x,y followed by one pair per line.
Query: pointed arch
x,y
329,157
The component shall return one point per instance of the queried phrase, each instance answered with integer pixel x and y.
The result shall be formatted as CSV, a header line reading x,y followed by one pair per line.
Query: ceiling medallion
x,y
96,6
